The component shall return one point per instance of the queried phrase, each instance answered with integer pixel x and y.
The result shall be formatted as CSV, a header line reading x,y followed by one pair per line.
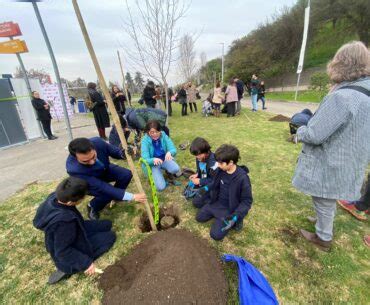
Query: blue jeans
x,y
254,101
170,166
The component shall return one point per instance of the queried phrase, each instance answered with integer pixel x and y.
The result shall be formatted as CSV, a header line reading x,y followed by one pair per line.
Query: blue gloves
x,y
229,222
202,191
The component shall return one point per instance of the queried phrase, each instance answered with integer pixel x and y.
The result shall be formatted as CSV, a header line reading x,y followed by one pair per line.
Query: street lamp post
x,y
222,62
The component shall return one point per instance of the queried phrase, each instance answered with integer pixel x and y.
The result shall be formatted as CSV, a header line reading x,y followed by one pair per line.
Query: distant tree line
x,y
273,48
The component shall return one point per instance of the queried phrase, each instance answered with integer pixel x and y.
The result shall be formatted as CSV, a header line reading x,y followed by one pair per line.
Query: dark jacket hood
x,y
242,170
51,212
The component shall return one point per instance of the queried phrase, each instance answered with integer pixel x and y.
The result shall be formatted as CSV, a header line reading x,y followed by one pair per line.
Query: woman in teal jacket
x,y
158,150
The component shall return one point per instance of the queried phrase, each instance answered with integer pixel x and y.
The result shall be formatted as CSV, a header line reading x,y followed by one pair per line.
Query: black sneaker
x,y
238,226
57,276
92,214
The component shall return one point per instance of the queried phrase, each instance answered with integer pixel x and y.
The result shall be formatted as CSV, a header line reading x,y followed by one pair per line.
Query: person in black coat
x,y
149,95
73,243
261,94
72,101
99,110
119,100
231,194
240,88
43,114
182,98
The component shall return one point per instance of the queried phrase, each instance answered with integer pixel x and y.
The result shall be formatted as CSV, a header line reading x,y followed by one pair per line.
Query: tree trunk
x,y
167,103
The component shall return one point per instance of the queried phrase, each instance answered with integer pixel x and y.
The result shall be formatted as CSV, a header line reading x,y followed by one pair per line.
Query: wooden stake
x,y
123,76
112,109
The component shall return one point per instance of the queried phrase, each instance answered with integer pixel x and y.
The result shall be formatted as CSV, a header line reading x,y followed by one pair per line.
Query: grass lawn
x,y
303,96
298,272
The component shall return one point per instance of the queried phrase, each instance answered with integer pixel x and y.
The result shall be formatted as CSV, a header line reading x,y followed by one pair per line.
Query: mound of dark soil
x,y
169,267
280,118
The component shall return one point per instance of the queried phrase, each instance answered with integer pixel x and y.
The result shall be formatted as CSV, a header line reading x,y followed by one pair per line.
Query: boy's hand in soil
x,y
140,198
90,270
168,157
157,161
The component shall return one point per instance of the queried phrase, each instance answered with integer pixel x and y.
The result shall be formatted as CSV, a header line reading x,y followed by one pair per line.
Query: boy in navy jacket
x,y
89,160
206,166
73,243
231,194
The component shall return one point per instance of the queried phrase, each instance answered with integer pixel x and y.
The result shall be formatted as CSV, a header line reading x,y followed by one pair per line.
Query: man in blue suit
x,y
89,160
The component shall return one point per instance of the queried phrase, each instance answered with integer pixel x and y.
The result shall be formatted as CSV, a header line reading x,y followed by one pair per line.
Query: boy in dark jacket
x,y
206,166
231,194
73,243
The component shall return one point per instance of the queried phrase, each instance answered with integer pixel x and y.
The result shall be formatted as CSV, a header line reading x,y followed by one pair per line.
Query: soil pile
x,y
169,267
280,118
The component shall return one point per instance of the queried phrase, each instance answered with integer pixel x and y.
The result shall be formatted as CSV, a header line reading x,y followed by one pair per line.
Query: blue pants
x,y
100,236
254,101
170,166
115,173
218,212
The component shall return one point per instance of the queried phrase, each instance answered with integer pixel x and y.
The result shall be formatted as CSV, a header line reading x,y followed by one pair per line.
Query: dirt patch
x,y
280,118
169,267
288,235
169,217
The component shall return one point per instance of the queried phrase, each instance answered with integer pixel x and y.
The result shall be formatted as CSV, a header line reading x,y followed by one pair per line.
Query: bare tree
x,y
187,57
203,64
203,59
154,35
41,74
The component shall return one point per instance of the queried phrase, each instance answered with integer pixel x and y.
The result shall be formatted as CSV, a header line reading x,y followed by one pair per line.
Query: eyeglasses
x,y
153,133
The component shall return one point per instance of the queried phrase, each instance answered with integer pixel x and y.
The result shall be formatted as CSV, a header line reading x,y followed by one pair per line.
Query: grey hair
x,y
351,62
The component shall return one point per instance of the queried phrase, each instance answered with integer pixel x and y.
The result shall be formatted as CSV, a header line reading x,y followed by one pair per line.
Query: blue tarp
x,y
254,289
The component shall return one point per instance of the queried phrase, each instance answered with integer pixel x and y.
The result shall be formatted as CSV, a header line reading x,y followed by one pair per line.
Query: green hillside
x,y
273,48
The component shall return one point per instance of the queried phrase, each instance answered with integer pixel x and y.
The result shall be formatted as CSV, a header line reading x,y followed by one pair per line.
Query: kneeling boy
x,y
231,194
206,166
73,243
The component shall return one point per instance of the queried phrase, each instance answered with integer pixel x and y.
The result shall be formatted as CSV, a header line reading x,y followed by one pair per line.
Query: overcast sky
x,y
217,20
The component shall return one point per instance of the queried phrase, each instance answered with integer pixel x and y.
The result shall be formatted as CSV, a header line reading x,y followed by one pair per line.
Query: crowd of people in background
x,y
226,99
231,96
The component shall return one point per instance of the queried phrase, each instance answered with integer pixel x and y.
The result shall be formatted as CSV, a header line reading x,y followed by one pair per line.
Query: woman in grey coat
x,y
336,141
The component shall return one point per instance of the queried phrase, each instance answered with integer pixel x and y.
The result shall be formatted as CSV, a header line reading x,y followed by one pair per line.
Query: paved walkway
x,y
284,108
40,160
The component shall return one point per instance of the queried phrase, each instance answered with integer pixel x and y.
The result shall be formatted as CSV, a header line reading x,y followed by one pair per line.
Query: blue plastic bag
x,y
254,289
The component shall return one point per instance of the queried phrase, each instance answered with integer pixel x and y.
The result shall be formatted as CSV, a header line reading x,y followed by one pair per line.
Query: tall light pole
x,y
222,62
55,67
303,47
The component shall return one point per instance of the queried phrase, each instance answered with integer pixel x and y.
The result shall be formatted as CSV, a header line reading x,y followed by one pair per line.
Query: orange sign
x,y
9,29
13,47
